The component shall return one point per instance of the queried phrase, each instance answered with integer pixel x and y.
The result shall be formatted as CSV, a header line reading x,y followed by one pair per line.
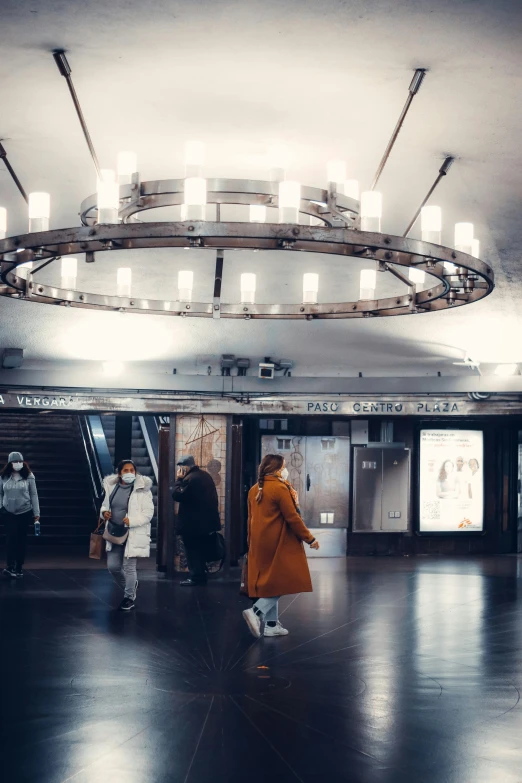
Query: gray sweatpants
x,y
123,569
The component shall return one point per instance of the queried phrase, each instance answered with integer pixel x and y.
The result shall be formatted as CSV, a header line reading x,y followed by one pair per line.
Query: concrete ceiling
x,y
329,79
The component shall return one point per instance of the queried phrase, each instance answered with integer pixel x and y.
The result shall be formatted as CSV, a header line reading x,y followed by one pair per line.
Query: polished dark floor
x,y
396,670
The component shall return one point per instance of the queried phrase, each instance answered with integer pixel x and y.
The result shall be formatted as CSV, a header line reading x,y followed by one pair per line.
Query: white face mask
x,y
284,474
129,478
17,466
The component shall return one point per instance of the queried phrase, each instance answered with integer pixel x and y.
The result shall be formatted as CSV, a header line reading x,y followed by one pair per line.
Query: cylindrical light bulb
x,y
475,248
431,224
310,288
3,222
124,281
464,237
195,198
185,285
278,161
351,188
24,269
39,211
127,166
336,174
257,213
248,288
194,158
368,283
371,210
69,272
289,201
108,192
417,276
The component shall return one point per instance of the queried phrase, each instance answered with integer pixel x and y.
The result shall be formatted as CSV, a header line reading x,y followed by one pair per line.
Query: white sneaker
x,y
253,621
276,630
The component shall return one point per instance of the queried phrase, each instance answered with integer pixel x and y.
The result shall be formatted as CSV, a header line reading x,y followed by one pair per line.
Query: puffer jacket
x,y
140,513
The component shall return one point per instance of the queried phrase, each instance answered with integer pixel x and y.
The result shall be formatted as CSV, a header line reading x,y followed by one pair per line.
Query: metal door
x,y
327,482
395,490
367,505
381,490
319,469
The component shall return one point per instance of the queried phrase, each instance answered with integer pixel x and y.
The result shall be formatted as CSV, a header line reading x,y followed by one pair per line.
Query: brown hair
x,y
270,464
8,470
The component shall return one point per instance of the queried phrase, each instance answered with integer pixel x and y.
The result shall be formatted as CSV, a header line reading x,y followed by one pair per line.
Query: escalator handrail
x,y
149,429
90,453
100,447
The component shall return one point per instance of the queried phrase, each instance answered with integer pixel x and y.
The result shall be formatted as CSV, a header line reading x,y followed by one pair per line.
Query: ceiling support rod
x,y
218,279
413,89
3,156
65,69
442,173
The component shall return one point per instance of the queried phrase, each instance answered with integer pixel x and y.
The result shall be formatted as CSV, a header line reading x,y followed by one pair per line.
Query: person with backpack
x,y
277,563
20,508
127,509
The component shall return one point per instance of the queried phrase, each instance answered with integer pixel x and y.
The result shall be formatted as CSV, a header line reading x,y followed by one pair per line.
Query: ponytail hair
x,y
270,464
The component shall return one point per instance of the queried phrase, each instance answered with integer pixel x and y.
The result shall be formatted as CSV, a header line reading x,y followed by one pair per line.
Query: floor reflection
x,y
395,670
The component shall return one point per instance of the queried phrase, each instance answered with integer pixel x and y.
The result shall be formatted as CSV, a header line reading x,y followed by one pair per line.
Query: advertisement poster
x,y
451,481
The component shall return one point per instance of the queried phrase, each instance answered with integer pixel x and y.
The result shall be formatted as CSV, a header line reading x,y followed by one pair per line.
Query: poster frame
x,y
455,424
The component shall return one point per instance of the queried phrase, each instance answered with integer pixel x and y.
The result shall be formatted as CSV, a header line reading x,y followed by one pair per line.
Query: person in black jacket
x,y
198,516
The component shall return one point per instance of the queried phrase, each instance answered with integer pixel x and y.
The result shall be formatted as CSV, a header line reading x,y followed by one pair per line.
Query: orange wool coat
x,y
277,563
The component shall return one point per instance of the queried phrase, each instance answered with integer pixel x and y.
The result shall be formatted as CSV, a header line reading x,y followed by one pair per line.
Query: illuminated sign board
x,y
451,481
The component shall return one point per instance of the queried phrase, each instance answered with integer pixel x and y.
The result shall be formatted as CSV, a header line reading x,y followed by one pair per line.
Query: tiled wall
x,y
209,453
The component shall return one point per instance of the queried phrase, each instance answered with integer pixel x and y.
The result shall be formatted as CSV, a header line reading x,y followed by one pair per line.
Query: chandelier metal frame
x,y
457,278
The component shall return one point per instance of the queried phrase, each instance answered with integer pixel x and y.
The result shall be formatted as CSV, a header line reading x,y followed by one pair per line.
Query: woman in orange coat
x,y
277,563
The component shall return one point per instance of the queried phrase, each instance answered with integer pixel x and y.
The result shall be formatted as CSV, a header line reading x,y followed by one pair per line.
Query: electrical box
x,y
359,432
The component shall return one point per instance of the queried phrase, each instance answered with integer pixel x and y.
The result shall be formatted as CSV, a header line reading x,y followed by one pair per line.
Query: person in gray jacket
x,y
20,507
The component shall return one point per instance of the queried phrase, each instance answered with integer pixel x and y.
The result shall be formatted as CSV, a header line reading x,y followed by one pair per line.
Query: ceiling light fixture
x,y
341,227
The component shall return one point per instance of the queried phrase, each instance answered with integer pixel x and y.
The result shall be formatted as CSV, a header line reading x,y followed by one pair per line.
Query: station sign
x,y
299,405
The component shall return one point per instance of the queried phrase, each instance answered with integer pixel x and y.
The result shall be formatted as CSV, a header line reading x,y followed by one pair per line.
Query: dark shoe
x,y
126,605
10,572
192,582
19,573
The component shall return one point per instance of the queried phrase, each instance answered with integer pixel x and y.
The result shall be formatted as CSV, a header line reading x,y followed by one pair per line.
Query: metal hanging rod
x,y
3,156
65,69
218,279
442,173
413,89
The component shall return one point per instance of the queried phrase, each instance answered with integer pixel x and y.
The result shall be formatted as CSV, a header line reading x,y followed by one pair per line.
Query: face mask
x,y
17,466
284,474
129,478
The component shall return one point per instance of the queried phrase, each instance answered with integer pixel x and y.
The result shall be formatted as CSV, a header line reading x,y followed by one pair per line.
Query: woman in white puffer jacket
x,y
127,509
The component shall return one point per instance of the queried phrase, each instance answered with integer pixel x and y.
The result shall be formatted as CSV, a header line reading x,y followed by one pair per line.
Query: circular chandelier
x,y
282,215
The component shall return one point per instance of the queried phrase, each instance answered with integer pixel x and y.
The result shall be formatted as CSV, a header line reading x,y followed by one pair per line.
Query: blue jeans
x,y
269,608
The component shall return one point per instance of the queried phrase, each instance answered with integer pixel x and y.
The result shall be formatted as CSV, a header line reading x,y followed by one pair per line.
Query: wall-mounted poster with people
x,y
451,481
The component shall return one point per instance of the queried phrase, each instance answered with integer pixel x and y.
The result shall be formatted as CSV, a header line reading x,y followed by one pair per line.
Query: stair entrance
x,y
53,447
139,455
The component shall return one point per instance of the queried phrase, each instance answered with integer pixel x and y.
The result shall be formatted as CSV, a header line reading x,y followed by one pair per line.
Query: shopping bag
x,y
97,543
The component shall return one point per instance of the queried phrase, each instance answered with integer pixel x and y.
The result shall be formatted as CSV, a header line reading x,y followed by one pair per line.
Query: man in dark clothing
x,y
198,516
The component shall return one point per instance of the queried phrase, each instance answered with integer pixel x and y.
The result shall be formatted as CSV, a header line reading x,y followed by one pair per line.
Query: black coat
x,y
198,504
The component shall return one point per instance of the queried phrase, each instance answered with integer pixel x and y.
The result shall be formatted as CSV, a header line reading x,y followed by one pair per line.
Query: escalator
x,y
53,446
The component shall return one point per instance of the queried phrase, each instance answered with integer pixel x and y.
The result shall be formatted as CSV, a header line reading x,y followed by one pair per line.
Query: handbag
x,y
243,587
97,543
215,548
